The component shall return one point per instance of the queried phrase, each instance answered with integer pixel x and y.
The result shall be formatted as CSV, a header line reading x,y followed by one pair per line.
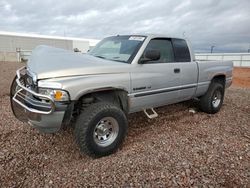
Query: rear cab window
x,y
181,50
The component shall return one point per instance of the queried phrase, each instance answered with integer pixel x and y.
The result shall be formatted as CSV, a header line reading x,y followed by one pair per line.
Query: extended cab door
x,y
156,83
188,69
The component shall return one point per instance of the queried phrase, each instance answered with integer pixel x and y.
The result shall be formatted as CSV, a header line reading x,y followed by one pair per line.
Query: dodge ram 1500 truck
x,y
122,74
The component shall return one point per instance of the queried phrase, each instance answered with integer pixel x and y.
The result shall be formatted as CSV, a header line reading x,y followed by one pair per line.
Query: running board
x,y
152,115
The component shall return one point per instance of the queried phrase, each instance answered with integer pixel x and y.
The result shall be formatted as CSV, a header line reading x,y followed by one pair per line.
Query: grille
x,y
27,81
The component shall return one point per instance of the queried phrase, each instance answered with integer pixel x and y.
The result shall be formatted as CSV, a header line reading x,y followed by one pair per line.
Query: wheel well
x,y
219,79
116,96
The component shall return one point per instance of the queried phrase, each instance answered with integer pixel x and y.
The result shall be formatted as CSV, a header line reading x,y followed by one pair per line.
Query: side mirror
x,y
150,55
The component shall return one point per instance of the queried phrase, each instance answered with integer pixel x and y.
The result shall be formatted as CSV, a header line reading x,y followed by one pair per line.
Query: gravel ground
x,y
177,149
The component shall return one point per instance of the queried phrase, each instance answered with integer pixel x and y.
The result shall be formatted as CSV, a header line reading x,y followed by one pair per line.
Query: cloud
x,y
222,23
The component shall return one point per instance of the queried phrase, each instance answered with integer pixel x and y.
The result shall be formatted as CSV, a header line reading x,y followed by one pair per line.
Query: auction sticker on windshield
x,y
136,38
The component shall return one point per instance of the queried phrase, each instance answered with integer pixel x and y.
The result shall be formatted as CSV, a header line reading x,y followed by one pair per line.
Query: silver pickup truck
x,y
95,92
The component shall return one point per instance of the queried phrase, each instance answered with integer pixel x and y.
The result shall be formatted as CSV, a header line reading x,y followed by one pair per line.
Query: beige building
x,y
17,46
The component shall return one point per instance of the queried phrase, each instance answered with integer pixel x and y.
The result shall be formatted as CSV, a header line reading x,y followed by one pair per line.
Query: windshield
x,y
118,48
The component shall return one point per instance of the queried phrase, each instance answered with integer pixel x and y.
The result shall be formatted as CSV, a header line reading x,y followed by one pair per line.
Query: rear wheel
x,y
212,101
100,129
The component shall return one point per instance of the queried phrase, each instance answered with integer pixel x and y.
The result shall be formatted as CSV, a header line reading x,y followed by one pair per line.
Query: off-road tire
x,y
206,101
86,123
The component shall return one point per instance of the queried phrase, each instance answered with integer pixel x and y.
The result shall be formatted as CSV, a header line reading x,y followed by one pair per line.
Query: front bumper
x,y
40,111
50,123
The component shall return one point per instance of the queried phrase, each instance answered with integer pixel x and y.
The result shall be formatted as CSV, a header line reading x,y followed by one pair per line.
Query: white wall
x,y
239,59
9,56
11,42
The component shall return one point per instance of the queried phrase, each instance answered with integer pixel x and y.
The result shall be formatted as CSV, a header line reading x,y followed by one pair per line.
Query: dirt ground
x,y
178,149
241,77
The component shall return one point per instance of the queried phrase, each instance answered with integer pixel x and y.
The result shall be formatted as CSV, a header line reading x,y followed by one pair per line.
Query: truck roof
x,y
156,35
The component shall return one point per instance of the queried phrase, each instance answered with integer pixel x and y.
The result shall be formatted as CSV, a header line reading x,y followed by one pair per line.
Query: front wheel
x,y
212,101
100,129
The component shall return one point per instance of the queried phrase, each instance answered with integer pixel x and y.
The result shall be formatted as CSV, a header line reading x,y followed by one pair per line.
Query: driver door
x,y
155,83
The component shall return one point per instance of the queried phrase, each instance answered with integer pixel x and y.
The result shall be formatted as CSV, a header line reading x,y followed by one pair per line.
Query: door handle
x,y
177,70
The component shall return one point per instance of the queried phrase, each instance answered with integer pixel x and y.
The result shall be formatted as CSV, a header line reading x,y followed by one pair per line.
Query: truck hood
x,y
49,62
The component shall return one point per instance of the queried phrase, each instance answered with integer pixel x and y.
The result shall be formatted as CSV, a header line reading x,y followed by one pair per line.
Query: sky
x,y
224,24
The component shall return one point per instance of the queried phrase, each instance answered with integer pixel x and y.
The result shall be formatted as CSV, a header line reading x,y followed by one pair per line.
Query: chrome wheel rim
x,y
216,98
106,131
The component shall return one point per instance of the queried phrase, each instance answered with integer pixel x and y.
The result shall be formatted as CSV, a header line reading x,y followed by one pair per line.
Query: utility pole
x,y
248,49
212,48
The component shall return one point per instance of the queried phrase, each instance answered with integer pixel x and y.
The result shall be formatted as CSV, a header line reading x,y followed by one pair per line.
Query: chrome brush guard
x,y
29,99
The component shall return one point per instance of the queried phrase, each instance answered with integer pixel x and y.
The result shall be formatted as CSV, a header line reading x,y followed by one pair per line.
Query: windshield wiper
x,y
119,60
110,59
100,56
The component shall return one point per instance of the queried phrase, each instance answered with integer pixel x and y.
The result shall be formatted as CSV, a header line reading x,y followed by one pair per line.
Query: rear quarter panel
x,y
209,69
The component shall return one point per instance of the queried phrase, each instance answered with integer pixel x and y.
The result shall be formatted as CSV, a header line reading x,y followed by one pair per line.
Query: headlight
x,y
56,94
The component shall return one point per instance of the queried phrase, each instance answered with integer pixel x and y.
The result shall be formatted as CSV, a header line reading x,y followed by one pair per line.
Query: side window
x,y
165,48
181,50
